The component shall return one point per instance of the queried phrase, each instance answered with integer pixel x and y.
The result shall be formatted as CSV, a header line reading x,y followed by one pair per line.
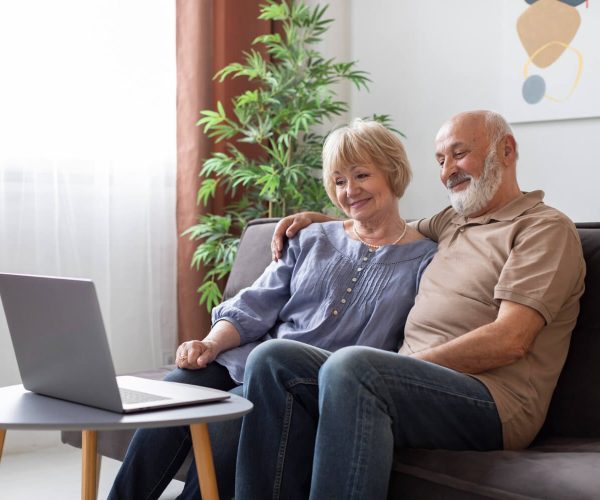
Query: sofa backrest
x,y
575,407
253,255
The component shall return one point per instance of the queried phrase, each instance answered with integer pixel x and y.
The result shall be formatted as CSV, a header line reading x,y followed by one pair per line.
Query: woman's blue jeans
x,y
155,455
324,426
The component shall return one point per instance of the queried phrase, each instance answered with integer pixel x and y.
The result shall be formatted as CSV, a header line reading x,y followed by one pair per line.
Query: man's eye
x,y
460,154
441,162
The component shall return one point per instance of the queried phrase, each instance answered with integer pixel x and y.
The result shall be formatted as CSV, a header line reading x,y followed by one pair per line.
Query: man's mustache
x,y
457,178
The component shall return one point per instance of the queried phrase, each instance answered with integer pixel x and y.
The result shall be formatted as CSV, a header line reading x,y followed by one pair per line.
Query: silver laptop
x,y
62,351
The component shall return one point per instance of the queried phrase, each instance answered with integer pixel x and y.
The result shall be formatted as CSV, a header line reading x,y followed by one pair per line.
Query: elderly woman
x,y
336,284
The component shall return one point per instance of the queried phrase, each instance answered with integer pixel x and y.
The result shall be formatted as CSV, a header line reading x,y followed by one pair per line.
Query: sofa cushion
x,y
555,470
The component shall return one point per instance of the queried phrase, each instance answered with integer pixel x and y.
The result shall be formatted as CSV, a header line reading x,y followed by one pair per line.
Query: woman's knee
x,y
273,352
347,365
280,357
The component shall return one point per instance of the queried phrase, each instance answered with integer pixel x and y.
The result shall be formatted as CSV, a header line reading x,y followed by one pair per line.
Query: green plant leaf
x,y
210,295
292,89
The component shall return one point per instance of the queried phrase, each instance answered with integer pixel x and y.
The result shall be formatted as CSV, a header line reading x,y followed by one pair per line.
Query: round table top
x,y
21,409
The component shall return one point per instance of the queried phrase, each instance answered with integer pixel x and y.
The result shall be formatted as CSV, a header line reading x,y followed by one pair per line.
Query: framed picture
x,y
551,60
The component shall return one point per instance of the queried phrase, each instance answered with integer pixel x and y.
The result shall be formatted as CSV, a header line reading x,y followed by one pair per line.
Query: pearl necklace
x,y
376,247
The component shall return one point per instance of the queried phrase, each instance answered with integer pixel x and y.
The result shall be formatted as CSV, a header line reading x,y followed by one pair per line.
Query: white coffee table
x,y
23,410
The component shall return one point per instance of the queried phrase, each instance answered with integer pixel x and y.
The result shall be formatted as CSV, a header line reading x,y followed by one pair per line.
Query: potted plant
x,y
292,93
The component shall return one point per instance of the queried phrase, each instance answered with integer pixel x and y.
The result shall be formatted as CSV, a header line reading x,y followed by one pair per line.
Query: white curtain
x,y
87,162
114,227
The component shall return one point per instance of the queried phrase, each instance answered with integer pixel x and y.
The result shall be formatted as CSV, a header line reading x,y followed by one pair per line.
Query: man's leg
x,y
277,440
371,401
155,455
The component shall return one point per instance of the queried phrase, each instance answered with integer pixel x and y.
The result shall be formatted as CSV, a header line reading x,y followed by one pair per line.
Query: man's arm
x,y
290,225
500,343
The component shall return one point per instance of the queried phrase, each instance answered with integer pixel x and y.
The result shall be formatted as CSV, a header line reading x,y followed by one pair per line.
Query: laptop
x,y
62,350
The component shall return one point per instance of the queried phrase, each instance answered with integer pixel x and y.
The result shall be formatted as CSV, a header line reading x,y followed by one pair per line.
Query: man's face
x,y
470,168
479,192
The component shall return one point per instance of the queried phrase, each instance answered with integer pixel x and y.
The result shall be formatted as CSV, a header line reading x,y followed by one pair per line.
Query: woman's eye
x,y
362,176
339,182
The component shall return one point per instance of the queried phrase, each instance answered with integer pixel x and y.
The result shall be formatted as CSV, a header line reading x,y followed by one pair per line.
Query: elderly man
x,y
484,343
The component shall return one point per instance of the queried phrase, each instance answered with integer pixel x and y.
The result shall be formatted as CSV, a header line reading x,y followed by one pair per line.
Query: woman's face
x,y
363,192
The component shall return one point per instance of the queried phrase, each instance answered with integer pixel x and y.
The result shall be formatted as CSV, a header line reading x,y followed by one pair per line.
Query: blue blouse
x,y
328,291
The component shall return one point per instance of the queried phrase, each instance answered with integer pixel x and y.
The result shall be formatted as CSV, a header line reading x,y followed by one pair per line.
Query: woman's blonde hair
x,y
362,142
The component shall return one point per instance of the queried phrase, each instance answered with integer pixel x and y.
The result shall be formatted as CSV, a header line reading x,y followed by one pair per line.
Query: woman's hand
x,y
289,226
196,354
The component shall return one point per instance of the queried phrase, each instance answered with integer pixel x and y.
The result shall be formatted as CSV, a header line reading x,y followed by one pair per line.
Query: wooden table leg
x,y
204,462
2,435
89,468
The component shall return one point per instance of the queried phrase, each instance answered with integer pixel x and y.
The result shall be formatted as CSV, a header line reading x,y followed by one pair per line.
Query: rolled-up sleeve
x,y
255,310
543,268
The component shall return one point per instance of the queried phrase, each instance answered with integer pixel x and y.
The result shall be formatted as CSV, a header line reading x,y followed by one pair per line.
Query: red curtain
x,y
209,35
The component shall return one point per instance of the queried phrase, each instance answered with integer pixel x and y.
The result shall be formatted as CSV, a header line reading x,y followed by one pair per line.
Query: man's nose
x,y
448,168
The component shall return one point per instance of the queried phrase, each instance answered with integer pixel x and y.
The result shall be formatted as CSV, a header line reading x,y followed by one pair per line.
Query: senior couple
x,y
358,363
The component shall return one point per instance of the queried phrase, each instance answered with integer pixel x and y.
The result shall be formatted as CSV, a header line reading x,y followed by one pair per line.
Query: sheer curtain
x,y
87,162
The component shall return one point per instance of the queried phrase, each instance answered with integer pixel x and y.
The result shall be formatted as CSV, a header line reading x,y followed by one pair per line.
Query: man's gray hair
x,y
498,128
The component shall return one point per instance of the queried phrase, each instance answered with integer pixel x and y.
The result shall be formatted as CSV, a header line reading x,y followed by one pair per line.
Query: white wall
x,y
431,59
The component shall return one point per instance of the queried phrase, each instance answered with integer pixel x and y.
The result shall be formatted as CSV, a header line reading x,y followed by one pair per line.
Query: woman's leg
x,y
277,439
372,401
155,455
224,438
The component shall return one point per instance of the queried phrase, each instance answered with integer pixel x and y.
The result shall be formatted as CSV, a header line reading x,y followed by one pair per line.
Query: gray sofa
x,y
563,462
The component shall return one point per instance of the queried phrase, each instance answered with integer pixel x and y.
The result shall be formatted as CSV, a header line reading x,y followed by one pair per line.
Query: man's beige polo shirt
x,y
526,252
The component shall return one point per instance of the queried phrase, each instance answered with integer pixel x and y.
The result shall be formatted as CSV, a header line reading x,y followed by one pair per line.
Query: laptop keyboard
x,y
129,396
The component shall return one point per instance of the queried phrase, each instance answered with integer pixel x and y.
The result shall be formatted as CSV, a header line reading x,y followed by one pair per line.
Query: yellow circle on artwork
x,y
577,76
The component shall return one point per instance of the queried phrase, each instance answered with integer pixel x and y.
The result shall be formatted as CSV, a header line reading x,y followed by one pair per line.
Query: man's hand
x,y
196,354
289,226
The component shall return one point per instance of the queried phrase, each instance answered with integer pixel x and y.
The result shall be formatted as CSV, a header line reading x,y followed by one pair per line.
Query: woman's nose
x,y
352,188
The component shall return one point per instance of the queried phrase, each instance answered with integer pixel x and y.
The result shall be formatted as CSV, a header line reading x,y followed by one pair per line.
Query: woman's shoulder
x,y
317,230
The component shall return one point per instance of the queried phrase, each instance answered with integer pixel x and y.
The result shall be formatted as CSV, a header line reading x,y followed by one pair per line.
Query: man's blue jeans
x,y
155,455
325,425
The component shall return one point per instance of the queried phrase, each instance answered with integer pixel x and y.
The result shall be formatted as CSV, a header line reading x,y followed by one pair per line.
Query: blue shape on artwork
x,y
534,89
572,3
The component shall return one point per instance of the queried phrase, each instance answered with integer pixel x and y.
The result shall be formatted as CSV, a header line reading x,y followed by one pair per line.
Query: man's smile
x,y
458,180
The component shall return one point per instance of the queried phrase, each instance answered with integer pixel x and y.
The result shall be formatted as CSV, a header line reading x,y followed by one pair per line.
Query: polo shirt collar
x,y
508,212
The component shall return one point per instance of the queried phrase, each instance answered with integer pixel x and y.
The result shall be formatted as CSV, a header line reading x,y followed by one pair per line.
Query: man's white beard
x,y
476,196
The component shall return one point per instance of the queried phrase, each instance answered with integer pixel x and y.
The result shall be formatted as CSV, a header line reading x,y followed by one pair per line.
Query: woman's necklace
x,y
376,247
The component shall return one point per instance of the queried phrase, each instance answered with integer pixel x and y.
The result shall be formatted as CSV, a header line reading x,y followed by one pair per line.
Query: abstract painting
x,y
551,59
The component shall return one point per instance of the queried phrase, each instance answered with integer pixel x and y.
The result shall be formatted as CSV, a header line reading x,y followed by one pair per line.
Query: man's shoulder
x,y
546,215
